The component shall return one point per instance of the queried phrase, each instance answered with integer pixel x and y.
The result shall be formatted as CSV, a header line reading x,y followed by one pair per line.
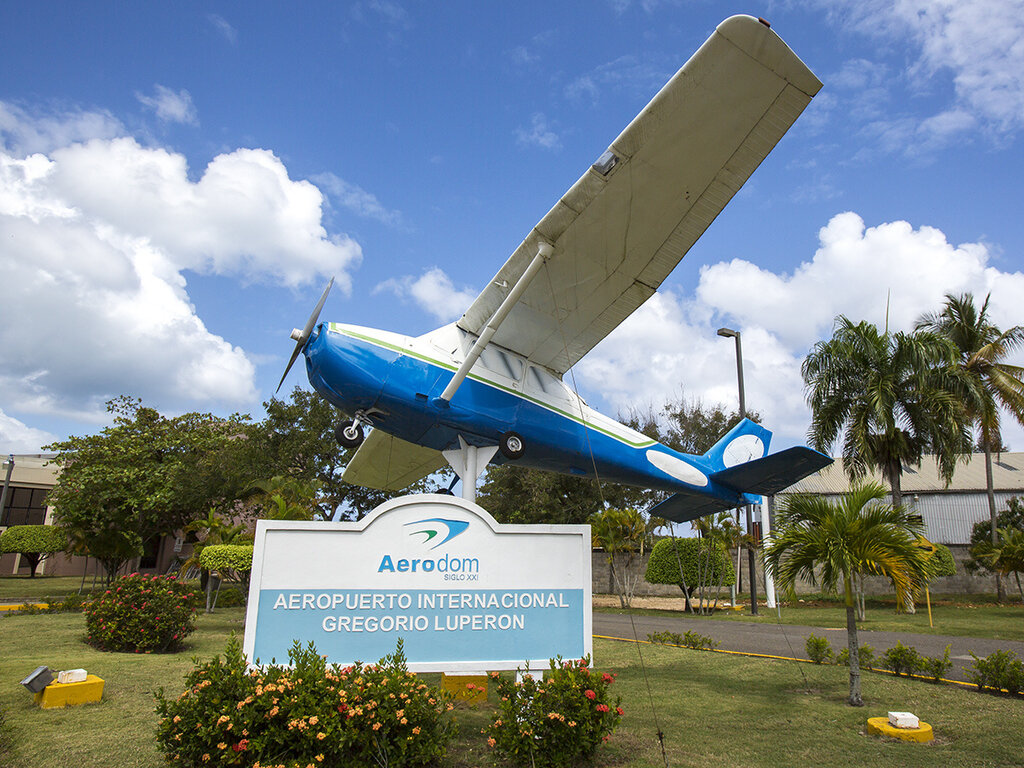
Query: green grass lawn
x,y
715,710
960,615
19,589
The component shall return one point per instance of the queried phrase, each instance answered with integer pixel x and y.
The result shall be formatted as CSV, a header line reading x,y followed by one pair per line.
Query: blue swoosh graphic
x,y
455,527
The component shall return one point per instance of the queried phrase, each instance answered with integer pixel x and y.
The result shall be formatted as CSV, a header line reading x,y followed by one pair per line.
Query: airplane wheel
x,y
512,445
349,434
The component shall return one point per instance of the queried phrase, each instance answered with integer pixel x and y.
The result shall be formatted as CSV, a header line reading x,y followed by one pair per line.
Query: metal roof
x,y
969,476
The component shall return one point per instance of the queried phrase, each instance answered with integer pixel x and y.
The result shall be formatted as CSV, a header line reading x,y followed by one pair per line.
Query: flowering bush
x,y
141,613
309,714
559,720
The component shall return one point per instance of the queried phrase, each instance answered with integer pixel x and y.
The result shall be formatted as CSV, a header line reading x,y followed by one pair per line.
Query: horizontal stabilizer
x,y
773,473
683,507
388,464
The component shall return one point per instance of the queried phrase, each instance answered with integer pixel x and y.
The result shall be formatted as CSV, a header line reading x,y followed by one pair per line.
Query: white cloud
x,y
171,106
223,27
433,292
23,133
641,77
96,238
539,134
977,43
17,437
357,199
670,343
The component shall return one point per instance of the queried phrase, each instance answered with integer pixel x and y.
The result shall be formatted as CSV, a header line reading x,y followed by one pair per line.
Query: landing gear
x,y
512,445
349,433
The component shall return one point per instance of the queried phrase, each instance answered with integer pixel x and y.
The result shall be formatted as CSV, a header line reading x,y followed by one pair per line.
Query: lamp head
x,y
728,333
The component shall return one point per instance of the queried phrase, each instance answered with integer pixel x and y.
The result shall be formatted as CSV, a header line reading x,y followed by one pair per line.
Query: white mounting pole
x,y
469,462
544,252
766,532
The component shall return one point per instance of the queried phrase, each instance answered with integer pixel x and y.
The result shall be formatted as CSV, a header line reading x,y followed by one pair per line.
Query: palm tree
x,y
854,536
620,532
890,396
1004,557
982,350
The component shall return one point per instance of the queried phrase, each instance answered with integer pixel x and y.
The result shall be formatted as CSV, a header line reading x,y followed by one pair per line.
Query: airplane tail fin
x,y
745,442
740,463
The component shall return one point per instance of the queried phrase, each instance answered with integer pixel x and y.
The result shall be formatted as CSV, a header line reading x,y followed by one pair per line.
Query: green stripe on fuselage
x,y
338,328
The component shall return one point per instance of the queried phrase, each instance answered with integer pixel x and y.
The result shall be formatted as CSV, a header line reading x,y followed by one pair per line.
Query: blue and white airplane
x,y
490,385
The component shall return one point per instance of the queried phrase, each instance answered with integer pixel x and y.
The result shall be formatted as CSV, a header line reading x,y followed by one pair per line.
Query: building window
x,y
24,506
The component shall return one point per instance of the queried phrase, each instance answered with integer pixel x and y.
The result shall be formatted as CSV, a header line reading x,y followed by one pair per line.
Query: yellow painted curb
x,y
70,694
880,726
19,606
471,689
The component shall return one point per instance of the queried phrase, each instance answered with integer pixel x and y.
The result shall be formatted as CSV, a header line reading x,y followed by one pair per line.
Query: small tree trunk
x,y
1019,588
993,515
854,648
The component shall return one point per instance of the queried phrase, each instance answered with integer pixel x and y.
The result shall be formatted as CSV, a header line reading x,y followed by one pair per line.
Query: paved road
x,y
789,639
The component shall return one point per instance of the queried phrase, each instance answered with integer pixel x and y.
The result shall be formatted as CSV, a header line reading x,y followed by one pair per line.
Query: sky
x,y
178,182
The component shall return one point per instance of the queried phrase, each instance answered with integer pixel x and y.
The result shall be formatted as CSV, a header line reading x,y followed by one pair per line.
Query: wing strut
x,y
544,252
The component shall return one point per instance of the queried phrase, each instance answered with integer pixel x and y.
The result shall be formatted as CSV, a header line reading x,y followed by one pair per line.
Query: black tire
x,y
349,434
512,445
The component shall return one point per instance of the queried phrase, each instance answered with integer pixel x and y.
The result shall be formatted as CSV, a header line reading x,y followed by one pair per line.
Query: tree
x,y
34,542
296,440
620,533
835,542
286,498
891,397
520,495
689,564
1004,557
982,349
131,482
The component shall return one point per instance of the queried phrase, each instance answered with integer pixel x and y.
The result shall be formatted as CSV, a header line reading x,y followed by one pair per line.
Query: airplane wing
x,y
775,473
629,220
389,464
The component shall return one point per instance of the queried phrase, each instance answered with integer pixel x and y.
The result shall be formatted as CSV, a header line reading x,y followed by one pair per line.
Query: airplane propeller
x,y
302,336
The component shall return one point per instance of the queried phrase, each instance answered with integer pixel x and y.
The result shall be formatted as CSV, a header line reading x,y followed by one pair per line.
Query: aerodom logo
x,y
434,526
435,531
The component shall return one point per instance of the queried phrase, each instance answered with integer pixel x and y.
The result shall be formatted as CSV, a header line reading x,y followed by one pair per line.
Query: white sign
x,y
464,592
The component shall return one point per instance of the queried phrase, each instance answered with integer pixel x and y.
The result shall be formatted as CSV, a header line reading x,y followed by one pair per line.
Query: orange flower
x,y
416,730
376,726
321,736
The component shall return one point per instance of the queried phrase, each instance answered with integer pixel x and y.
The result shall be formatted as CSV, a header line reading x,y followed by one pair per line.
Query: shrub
x,y
309,714
941,563
34,542
699,642
666,637
818,649
999,670
141,613
559,720
936,668
699,565
902,659
866,656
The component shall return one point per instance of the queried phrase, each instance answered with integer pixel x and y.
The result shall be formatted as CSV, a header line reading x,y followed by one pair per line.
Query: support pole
x,y
544,252
469,462
766,530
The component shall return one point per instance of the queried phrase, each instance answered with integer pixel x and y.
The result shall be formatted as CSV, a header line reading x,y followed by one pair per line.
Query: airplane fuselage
x,y
397,381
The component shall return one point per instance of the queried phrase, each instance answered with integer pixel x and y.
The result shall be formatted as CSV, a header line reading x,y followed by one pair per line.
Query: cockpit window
x,y
502,363
540,381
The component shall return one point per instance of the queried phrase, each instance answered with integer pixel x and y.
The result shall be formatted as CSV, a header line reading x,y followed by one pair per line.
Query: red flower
x,y
602,707
619,710
607,678
590,694
241,746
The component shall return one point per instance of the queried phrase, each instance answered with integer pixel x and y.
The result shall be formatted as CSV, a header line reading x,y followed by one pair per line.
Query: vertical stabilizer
x,y
745,442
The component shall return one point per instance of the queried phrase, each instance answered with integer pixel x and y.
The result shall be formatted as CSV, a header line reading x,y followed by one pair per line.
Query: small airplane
x,y
490,386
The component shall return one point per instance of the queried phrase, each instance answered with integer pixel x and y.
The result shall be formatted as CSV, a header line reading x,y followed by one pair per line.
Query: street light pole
x,y
730,333
7,482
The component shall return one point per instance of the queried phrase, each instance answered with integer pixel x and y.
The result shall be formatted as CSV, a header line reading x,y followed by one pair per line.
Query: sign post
x,y
463,592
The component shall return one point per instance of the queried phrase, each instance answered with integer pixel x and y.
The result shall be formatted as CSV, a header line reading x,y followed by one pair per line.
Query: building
x,y
31,478
948,511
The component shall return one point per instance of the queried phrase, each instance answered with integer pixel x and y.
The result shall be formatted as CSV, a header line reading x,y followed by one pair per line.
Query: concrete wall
x,y
961,583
